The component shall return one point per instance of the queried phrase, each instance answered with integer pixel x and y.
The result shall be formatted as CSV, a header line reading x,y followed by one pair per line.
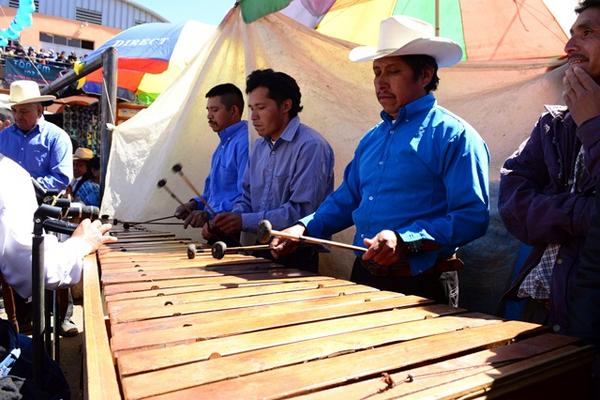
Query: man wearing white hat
x,y
40,147
417,187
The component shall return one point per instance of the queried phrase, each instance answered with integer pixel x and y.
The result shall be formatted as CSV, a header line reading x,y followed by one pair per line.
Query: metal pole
x,y
437,17
71,77
37,266
108,110
55,326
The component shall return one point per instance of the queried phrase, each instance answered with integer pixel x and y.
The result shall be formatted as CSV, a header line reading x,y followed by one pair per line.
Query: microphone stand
x,y
41,336
38,292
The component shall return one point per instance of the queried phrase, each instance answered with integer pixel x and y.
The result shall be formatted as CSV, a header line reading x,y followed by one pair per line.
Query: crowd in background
x,y
42,56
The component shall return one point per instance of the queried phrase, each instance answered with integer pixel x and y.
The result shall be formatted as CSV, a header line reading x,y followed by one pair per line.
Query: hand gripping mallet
x,y
178,169
265,232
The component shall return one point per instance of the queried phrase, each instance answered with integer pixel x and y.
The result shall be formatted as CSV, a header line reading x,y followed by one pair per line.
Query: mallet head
x,y
176,168
126,226
191,251
263,232
218,250
161,183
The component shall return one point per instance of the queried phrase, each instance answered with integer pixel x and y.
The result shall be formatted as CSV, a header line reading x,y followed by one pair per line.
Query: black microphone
x,y
58,226
47,211
82,211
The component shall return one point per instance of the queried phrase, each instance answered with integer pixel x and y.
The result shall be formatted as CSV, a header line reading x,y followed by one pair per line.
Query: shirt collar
x,y
289,133
36,129
412,109
231,130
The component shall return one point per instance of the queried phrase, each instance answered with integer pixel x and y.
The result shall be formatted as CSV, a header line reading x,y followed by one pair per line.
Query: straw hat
x,y
25,92
401,35
83,153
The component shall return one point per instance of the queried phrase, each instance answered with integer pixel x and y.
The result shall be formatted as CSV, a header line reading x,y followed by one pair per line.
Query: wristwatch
x,y
414,247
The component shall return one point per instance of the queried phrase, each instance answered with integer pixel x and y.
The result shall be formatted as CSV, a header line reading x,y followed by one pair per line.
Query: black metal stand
x,y
37,271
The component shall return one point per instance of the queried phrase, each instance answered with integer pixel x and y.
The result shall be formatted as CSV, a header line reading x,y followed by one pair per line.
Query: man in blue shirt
x,y
40,147
223,184
417,187
290,170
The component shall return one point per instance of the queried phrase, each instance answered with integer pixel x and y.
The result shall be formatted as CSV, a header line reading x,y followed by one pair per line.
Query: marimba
x,y
245,328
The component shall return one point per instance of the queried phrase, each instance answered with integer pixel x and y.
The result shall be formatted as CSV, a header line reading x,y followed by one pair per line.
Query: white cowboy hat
x,y
401,35
25,92
83,153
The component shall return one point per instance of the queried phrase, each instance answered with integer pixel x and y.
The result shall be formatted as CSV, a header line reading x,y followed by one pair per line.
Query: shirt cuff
x,y
313,228
250,221
411,235
199,204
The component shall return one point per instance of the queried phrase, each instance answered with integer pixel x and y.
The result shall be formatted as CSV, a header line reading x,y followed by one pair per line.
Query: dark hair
x,y
418,63
230,95
281,87
585,4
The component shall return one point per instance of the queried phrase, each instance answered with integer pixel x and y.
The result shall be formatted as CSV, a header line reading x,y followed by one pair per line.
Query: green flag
x,y
255,9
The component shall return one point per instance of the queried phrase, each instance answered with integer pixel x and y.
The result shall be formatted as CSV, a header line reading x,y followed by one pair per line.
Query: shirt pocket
x,y
228,176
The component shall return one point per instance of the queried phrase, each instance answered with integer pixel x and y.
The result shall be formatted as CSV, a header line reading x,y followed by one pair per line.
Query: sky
x,y
207,11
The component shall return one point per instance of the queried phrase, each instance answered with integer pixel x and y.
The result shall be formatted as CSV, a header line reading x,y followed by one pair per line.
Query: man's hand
x,y
384,249
184,210
207,233
195,219
283,246
229,223
581,94
94,233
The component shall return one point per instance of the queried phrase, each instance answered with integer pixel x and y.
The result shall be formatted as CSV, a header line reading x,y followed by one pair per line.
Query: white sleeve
x,y
63,261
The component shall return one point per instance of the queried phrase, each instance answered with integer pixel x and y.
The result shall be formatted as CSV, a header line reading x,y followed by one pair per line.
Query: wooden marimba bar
x,y
244,328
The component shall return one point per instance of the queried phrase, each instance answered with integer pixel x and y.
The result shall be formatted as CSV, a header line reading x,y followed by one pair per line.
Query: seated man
x,y
63,261
82,187
291,166
546,196
223,185
417,187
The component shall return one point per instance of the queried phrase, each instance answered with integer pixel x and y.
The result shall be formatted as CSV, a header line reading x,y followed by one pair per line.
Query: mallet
x,y
128,224
178,169
163,184
192,250
265,231
220,248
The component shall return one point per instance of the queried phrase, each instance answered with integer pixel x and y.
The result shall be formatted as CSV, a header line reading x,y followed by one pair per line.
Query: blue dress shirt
x,y
424,175
287,180
88,193
45,152
223,185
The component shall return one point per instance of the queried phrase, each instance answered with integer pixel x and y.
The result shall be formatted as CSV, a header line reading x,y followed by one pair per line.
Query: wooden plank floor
x,y
245,328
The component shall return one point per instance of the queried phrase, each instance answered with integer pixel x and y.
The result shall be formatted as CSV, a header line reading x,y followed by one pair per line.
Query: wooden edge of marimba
x,y
100,376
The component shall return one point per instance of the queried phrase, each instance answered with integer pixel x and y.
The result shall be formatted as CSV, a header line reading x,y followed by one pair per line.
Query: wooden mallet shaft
x,y
163,184
177,168
265,232
219,249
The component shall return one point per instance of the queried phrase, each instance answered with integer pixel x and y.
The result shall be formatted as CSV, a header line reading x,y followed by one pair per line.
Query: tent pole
x,y
108,110
71,77
437,17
